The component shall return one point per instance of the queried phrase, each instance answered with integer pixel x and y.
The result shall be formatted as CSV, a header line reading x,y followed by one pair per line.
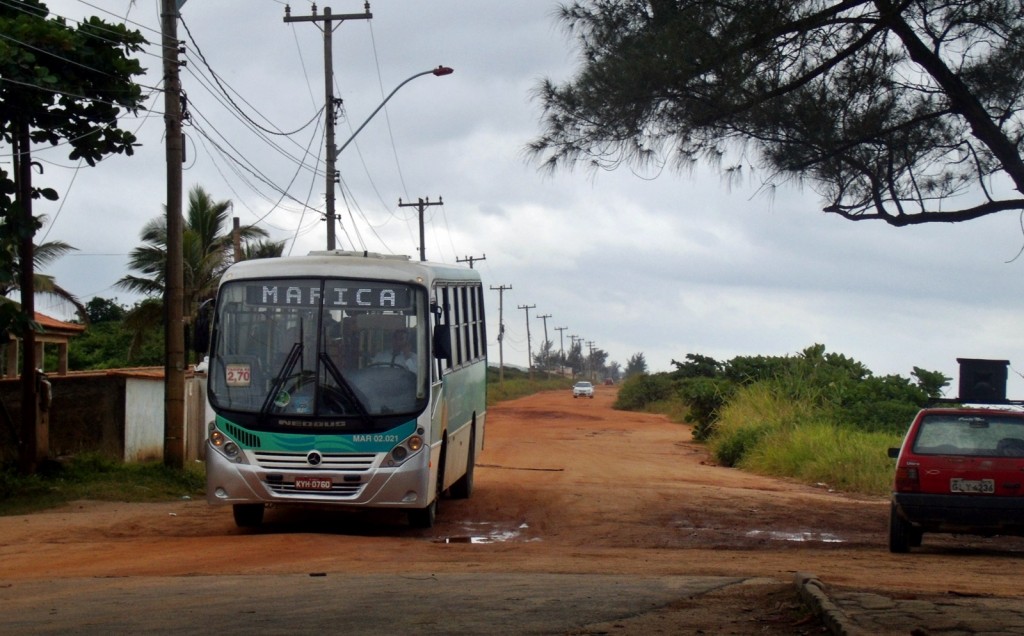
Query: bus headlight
x,y
217,438
402,452
222,442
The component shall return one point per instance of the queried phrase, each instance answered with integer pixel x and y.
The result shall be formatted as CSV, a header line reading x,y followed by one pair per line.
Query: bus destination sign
x,y
354,295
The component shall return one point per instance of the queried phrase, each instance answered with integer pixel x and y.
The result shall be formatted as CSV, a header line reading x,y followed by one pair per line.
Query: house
x,y
55,333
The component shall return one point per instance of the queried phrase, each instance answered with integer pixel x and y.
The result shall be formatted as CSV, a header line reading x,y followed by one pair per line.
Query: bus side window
x,y
442,342
442,337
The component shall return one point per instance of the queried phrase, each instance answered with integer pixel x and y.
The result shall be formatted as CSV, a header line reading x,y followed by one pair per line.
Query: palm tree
x,y
207,252
42,255
263,248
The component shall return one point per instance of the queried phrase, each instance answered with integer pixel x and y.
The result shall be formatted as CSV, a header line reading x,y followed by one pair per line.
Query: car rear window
x,y
964,434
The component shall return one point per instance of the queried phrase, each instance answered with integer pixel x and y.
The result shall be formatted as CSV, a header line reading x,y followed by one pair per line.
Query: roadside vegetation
x,y
517,384
820,418
817,417
97,478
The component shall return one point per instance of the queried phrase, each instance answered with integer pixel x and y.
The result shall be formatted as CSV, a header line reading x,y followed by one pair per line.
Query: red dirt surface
x,y
563,486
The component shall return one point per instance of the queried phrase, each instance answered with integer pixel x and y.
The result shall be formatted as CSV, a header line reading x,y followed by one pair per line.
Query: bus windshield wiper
x,y
344,387
286,369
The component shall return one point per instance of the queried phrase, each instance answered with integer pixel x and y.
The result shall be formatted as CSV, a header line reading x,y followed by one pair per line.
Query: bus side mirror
x,y
201,332
442,343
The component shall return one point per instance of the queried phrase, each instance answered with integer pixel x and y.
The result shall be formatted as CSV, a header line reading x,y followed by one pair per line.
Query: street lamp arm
x,y
440,70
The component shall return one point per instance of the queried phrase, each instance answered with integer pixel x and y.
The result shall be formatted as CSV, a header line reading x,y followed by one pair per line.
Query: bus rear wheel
x,y
248,515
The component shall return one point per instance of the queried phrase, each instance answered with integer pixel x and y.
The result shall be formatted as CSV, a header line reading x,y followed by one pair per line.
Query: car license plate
x,y
983,486
312,483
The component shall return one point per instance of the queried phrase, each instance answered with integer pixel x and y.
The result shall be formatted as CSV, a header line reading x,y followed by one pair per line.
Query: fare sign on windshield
x,y
340,294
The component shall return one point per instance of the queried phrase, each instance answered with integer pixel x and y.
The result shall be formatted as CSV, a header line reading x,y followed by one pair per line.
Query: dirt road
x,y
565,488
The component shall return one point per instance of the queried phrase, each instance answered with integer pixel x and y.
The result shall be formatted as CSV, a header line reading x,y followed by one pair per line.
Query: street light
x,y
439,71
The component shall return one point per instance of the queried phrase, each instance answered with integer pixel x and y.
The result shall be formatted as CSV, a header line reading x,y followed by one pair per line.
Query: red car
x,y
959,471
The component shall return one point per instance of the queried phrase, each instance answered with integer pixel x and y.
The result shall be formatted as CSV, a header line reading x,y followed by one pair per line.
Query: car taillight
x,y
907,479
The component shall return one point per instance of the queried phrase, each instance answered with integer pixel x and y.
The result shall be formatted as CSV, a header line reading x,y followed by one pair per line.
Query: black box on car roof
x,y
983,381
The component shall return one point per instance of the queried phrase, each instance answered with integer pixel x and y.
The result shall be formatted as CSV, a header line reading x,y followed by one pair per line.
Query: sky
x,y
660,263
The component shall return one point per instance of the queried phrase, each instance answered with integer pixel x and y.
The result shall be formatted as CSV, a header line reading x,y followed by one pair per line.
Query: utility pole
x,y
470,259
330,103
572,345
590,359
561,349
545,319
422,205
529,349
501,331
174,281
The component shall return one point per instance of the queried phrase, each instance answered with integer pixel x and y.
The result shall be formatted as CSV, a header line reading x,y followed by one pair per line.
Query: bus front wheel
x,y
423,517
248,515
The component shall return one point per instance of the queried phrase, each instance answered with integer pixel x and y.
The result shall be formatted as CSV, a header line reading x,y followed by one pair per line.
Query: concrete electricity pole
x,y
470,259
501,331
545,319
174,281
422,205
329,102
529,349
561,349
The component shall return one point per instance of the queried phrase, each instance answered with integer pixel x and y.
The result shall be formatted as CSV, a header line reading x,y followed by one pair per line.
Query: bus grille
x,y
244,437
330,461
337,490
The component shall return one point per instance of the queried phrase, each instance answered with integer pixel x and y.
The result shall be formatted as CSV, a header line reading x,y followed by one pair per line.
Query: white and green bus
x,y
346,379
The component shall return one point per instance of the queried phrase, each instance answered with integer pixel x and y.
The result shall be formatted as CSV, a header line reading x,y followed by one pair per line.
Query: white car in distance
x,y
583,389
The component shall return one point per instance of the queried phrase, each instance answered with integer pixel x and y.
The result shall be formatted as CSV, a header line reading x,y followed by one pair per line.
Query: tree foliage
x,y
61,86
840,386
207,251
636,365
69,84
111,341
908,111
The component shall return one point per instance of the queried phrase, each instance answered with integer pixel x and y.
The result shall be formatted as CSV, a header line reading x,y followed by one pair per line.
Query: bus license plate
x,y
312,483
983,486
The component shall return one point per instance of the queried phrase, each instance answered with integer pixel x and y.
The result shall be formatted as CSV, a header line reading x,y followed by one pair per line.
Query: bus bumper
x,y
404,486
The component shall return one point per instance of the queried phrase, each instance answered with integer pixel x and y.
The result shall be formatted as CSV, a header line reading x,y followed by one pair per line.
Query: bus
x,y
345,379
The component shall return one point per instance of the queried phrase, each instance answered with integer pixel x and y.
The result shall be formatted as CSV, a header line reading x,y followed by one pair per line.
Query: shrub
x,y
704,398
639,391
753,413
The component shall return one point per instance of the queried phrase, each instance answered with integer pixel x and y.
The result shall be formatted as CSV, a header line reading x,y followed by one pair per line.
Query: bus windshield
x,y
314,353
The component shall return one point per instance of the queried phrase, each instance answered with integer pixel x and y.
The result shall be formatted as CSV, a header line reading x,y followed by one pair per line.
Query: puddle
x,y
799,537
484,533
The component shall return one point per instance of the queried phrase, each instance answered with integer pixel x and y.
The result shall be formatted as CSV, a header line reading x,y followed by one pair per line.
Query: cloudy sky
x,y
660,264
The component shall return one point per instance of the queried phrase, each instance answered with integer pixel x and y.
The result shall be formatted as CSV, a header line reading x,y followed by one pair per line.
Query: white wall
x,y
144,419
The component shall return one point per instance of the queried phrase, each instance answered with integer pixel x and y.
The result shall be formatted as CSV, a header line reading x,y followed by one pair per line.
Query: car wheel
x,y
916,537
900,532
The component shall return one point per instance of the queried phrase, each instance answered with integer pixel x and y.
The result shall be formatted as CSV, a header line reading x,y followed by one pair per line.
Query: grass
x,y
99,479
763,432
518,384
